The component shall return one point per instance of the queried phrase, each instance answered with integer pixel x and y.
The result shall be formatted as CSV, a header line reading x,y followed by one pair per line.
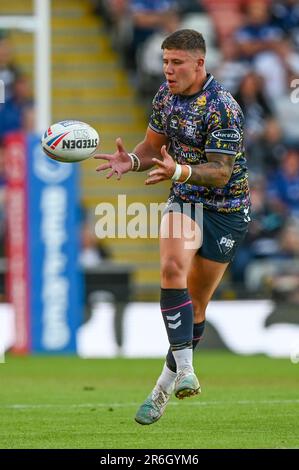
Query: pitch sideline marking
x,y
122,405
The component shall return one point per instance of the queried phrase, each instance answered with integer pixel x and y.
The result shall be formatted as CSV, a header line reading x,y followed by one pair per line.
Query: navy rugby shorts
x,y
223,233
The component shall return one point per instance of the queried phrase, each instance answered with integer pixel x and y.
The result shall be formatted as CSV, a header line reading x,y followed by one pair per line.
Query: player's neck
x,y
203,80
198,85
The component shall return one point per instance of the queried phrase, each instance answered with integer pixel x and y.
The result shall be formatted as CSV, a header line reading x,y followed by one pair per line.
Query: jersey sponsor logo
x,y
227,135
192,157
226,243
174,122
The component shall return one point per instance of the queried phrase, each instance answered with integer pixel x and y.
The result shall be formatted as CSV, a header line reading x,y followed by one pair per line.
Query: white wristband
x,y
189,175
177,173
132,160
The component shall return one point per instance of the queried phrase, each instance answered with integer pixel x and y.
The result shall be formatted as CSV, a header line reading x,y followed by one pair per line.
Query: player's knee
x,y
172,269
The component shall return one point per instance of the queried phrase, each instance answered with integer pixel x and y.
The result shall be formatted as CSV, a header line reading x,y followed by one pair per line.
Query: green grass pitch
x,y
67,402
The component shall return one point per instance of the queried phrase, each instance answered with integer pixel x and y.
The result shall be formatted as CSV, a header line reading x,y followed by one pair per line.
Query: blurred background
x,y
105,67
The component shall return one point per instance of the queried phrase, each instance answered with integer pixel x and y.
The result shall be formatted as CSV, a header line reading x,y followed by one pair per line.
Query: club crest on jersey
x,y
190,129
227,135
226,243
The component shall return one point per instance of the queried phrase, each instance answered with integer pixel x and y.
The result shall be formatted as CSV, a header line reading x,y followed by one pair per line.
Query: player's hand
x,y
119,162
165,170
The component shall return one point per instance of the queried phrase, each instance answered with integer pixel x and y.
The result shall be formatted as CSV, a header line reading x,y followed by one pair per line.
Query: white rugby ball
x,y
70,141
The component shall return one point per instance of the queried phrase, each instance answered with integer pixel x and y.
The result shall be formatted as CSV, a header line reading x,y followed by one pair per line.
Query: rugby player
x,y
195,140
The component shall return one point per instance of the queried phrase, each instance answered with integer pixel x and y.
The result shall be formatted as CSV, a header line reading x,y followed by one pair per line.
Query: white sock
x,y
166,379
183,358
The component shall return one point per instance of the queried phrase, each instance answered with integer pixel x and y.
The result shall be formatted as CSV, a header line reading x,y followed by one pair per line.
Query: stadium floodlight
x,y
39,24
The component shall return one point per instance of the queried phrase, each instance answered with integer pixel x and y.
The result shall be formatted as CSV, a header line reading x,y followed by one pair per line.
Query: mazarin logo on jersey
x,y
228,135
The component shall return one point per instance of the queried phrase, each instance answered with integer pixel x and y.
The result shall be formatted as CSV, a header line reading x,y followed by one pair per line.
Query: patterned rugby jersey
x,y
209,121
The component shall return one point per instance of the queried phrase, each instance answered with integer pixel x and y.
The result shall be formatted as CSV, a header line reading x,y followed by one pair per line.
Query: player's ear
x,y
200,62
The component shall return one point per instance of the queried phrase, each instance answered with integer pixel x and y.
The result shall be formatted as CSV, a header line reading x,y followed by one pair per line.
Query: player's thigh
x,y
203,278
222,234
180,238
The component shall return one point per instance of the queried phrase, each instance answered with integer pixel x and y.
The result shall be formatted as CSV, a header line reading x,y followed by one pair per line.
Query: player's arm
x,y
216,172
150,148
139,160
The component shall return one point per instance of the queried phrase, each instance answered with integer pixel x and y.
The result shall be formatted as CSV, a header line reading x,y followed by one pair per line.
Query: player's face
x,y
183,71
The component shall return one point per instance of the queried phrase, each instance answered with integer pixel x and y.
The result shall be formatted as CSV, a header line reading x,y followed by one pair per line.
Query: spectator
x,y
231,69
190,6
289,239
92,253
148,17
255,106
279,275
284,186
118,20
150,55
258,34
12,112
285,15
267,221
287,111
8,71
265,154
277,68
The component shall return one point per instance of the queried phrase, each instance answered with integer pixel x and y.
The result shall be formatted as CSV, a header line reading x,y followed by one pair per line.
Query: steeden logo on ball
x,y
70,141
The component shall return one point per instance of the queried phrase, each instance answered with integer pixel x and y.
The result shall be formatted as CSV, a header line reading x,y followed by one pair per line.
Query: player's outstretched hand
x,y
119,162
165,170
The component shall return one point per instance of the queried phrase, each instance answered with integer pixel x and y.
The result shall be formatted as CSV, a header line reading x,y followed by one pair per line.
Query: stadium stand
x,y
89,84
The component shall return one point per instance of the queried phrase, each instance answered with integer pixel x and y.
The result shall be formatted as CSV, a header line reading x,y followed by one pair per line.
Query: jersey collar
x,y
208,82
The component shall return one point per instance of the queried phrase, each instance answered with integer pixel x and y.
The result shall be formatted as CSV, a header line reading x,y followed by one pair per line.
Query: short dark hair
x,y
186,40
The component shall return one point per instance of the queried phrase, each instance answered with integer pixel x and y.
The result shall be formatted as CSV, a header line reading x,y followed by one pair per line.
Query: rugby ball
x,y
70,141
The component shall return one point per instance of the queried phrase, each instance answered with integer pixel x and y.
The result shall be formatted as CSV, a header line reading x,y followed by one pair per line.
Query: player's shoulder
x,y
162,94
221,93
222,97
163,90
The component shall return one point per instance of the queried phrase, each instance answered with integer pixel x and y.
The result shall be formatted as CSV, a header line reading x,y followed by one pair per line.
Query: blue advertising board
x,y
54,278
